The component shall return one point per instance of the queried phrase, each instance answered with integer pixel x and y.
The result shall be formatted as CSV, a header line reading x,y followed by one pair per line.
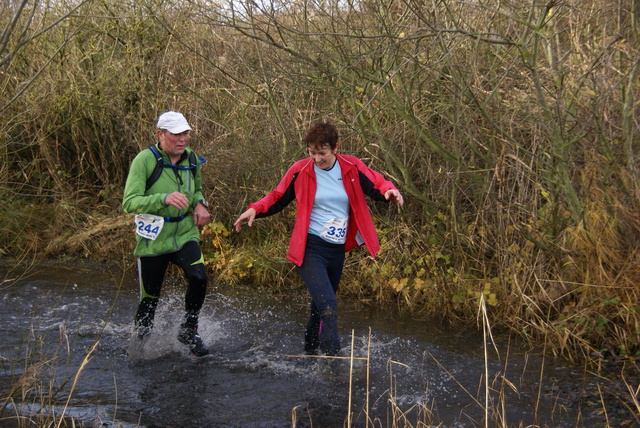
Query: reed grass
x,y
491,397
35,396
509,130
32,397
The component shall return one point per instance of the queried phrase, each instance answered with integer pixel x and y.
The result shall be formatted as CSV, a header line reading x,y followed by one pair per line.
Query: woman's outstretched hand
x,y
248,215
394,195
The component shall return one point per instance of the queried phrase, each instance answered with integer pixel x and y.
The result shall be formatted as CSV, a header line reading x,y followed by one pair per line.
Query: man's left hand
x,y
200,215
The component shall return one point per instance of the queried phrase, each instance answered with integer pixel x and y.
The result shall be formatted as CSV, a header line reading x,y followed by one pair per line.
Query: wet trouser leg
x,y
311,342
321,272
151,271
190,259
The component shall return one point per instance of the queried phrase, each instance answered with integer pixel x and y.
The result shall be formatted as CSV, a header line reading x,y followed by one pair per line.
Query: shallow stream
x,y
58,321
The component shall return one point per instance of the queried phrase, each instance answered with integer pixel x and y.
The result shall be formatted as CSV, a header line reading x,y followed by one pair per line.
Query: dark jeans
x,y
151,271
321,271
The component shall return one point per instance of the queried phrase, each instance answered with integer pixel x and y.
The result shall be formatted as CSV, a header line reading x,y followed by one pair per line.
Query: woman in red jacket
x,y
332,217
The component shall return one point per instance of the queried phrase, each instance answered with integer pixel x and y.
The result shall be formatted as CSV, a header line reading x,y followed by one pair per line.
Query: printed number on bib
x,y
335,231
148,226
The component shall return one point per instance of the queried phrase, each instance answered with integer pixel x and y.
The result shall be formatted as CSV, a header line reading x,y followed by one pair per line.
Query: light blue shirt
x,y
330,203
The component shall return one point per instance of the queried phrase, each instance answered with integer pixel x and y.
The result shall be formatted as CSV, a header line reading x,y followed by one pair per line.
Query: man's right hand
x,y
177,199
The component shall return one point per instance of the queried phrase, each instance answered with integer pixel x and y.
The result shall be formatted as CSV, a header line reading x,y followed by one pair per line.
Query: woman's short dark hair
x,y
321,134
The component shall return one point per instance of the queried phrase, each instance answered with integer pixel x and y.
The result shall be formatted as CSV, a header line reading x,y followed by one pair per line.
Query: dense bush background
x,y
510,127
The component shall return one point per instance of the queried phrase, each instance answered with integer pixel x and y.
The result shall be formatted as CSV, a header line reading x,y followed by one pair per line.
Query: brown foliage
x,y
509,128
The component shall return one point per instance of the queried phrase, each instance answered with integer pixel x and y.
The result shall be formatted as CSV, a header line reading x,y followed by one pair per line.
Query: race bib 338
x,y
335,230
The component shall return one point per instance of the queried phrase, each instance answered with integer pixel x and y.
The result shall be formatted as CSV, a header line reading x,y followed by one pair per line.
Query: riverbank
x,y
408,275
515,151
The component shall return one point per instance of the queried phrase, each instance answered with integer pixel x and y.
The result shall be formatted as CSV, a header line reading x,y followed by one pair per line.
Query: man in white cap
x,y
164,191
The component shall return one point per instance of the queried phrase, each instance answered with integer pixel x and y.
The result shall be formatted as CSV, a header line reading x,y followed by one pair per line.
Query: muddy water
x,y
54,317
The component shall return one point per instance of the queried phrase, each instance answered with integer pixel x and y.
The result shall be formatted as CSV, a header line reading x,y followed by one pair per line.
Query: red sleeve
x,y
276,200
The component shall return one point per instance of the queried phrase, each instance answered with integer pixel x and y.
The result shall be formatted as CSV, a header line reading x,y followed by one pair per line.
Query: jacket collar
x,y
345,164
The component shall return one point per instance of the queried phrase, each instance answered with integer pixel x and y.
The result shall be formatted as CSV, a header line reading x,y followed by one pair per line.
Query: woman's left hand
x,y
394,195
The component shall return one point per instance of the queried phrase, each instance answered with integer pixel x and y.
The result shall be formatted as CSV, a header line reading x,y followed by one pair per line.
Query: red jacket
x,y
299,183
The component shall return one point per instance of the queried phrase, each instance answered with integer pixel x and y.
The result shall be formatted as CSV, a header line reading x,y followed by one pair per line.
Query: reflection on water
x,y
255,375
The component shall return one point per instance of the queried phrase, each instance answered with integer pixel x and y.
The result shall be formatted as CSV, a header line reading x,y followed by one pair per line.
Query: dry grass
x,y
510,132
31,400
491,396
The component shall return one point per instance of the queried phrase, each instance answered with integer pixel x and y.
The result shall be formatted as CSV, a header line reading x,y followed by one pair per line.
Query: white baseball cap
x,y
173,122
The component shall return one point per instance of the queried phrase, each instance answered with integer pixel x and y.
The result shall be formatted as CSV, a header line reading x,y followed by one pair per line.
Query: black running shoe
x,y
190,337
